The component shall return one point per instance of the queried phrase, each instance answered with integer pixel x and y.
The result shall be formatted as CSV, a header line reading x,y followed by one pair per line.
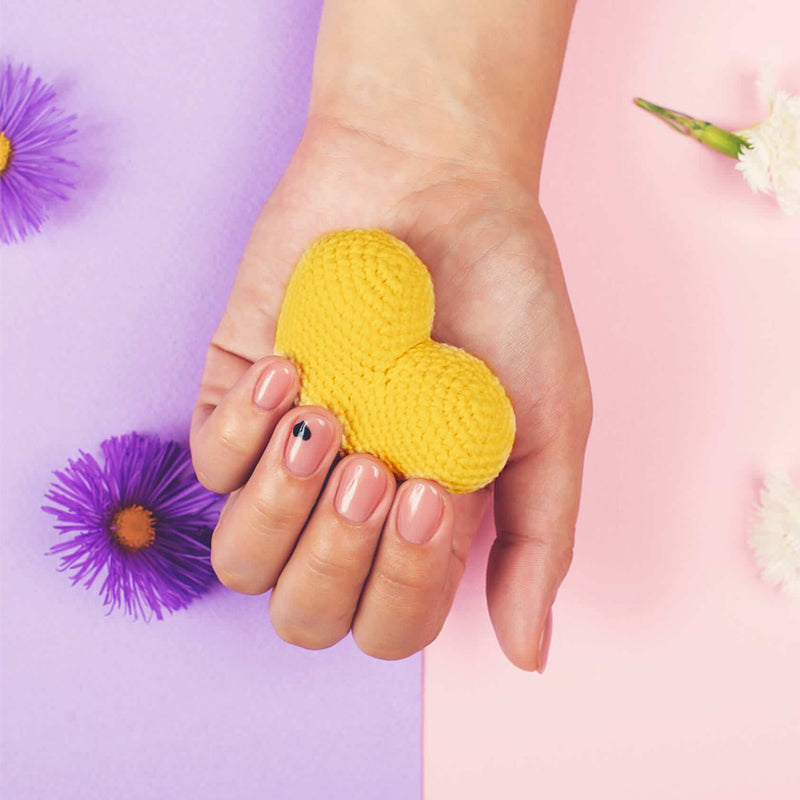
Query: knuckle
x,y
229,438
270,514
323,566
558,553
262,509
403,583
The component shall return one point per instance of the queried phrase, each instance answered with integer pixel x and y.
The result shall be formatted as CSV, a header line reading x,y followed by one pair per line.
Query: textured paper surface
x,y
673,671
188,113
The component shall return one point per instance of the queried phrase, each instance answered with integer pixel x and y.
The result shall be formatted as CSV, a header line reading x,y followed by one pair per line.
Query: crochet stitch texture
x,y
356,321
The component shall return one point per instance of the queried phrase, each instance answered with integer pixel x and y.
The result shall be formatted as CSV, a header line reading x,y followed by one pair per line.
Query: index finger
x,y
229,433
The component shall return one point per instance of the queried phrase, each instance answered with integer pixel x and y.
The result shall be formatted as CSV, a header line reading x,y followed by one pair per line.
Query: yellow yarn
x,y
356,321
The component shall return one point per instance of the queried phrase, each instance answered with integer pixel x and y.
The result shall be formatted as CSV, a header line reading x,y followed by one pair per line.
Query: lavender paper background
x,y
188,113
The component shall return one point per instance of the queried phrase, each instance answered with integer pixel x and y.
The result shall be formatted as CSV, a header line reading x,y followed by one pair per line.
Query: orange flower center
x,y
5,152
133,527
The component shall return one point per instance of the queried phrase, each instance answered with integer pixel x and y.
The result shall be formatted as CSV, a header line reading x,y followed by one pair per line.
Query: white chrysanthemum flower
x,y
772,163
775,533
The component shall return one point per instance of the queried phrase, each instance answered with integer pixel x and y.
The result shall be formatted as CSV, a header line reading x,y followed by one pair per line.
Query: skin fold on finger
x,y
258,531
400,609
228,439
316,596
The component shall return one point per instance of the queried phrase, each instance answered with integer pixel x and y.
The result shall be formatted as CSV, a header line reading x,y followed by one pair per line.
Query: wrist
x,y
467,82
440,129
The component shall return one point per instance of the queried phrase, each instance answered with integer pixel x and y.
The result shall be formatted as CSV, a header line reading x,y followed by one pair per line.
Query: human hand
x,y
390,575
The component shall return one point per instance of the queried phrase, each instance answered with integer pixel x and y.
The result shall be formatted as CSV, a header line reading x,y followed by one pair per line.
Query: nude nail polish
x,y
309,439
273,386
360,490
420,513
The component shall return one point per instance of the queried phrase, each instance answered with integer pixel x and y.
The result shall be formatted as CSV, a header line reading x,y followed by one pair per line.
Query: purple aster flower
x,y
32,173
142,520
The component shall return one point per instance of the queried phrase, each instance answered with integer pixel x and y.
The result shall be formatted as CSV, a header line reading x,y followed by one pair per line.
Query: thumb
x,y
536,507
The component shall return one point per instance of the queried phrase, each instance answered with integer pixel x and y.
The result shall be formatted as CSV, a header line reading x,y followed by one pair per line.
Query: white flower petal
x,y
775,533
773,162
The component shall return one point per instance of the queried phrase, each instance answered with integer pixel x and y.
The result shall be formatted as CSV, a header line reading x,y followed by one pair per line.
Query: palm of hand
x,y
499,295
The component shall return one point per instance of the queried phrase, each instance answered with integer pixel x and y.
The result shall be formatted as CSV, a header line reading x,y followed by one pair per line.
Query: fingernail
x,y
419,514
309,440
360,490
272,386
544,644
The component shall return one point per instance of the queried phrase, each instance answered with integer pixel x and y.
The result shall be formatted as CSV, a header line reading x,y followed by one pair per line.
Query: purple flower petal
x,y
164,575
35,173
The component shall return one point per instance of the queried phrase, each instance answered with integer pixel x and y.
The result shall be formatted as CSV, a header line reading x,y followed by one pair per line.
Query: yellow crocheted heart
x,y
356,321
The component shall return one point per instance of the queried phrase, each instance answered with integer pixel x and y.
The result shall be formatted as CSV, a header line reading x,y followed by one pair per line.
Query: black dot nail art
x,y
301,429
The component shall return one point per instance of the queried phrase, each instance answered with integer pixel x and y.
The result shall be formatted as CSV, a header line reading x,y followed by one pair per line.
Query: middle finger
x,y
256,534
317,593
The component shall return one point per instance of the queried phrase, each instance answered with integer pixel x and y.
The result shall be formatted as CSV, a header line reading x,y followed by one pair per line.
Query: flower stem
x,y
721,140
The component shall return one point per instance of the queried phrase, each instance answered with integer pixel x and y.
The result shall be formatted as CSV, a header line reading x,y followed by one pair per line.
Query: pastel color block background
x,y
673,670
188,114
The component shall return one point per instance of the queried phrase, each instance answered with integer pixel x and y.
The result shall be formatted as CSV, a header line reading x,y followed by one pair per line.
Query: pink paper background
x,y
188,113
673,671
